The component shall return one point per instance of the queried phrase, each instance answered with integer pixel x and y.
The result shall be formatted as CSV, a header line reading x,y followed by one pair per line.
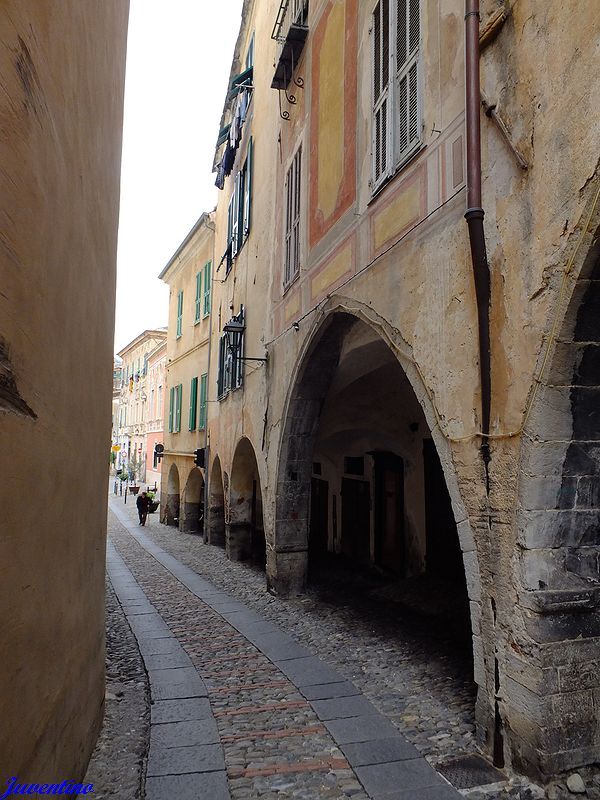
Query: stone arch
x,y
309,385
245,536
558,527
216,505
173,498
346,347
192,518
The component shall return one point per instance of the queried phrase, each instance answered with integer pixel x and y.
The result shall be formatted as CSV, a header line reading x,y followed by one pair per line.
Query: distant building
x,y
116,394
155,391
133,400
189,276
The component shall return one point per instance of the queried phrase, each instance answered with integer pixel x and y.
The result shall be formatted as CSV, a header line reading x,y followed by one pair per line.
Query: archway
x,y
216,506
172,505
245,536
366,485
192,519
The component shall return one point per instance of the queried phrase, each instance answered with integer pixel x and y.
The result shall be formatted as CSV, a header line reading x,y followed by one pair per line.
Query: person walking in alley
x,y
143,503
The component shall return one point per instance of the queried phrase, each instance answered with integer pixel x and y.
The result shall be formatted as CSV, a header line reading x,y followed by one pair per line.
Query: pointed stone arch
x,y
245,536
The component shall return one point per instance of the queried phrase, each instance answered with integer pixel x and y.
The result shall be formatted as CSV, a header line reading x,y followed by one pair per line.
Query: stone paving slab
x,y
382,779
181,760
326,691
196,786
192,732
378,751
164,711
364,728
427,793
341,707
347,715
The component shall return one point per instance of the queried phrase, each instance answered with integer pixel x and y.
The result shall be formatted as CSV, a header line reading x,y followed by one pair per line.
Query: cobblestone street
x,y
230,691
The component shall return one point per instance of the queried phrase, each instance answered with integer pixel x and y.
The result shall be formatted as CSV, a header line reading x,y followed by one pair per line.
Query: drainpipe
x,y
474,216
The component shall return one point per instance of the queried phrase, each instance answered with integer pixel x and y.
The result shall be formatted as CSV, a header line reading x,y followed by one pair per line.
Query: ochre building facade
x,y
62,68
349,410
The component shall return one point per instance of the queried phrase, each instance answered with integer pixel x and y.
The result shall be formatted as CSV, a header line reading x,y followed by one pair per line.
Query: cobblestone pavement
x,y
413,676
118,762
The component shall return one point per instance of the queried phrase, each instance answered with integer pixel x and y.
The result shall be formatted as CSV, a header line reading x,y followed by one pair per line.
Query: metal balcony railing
x,y
290,31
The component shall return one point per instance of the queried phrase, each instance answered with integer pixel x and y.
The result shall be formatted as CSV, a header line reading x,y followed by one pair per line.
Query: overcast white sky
x,y
178,61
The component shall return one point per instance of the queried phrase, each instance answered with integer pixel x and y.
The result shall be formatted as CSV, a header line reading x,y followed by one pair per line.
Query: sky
x,y
179,56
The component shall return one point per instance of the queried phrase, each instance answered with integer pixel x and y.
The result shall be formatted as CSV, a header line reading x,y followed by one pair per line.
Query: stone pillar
x,y
215,525
191,518
238,540
286,572
172,509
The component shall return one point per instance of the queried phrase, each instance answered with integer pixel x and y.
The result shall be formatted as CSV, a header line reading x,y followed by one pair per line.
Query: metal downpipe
x,y
474,216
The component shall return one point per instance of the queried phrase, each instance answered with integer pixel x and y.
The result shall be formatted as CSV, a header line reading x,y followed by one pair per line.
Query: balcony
x,y
290,31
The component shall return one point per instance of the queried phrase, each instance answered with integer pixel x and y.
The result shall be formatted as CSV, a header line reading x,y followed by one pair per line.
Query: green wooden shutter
x,y
180,313
171,407
198,295
207,286
179,399
203,401
193,404
221,373
248,189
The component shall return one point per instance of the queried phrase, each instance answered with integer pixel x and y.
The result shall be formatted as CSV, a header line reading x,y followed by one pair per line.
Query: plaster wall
x,y
400,261
62,75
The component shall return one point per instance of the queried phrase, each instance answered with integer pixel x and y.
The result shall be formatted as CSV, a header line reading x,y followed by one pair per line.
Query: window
x,y
207,283
203,401
179,313
396,96
250,53
177,409
171,408
193,404
239,212
292,219
231,375
160,405
197,314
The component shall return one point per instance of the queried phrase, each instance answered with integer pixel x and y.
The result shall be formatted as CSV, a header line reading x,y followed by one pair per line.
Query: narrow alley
x,y
254,696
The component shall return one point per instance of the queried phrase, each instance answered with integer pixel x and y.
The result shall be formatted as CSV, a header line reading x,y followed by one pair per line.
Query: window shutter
x,y
178,396
235,216
180,313
198,296
193,404
221,373
381,84
203,401
248,189
171,407
207,286
407,65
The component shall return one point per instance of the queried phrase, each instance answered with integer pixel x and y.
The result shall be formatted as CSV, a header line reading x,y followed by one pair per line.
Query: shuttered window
x,y
207,285
193,404
177,409
407,77
292,219
203,401
396,120
231,364
198,307
171,408
179,313
246,200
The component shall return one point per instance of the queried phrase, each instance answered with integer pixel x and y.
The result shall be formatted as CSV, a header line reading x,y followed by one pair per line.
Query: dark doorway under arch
x,y
245,535
172,506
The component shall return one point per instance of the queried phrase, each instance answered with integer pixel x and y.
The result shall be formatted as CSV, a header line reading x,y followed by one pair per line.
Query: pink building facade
x,y
157,362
